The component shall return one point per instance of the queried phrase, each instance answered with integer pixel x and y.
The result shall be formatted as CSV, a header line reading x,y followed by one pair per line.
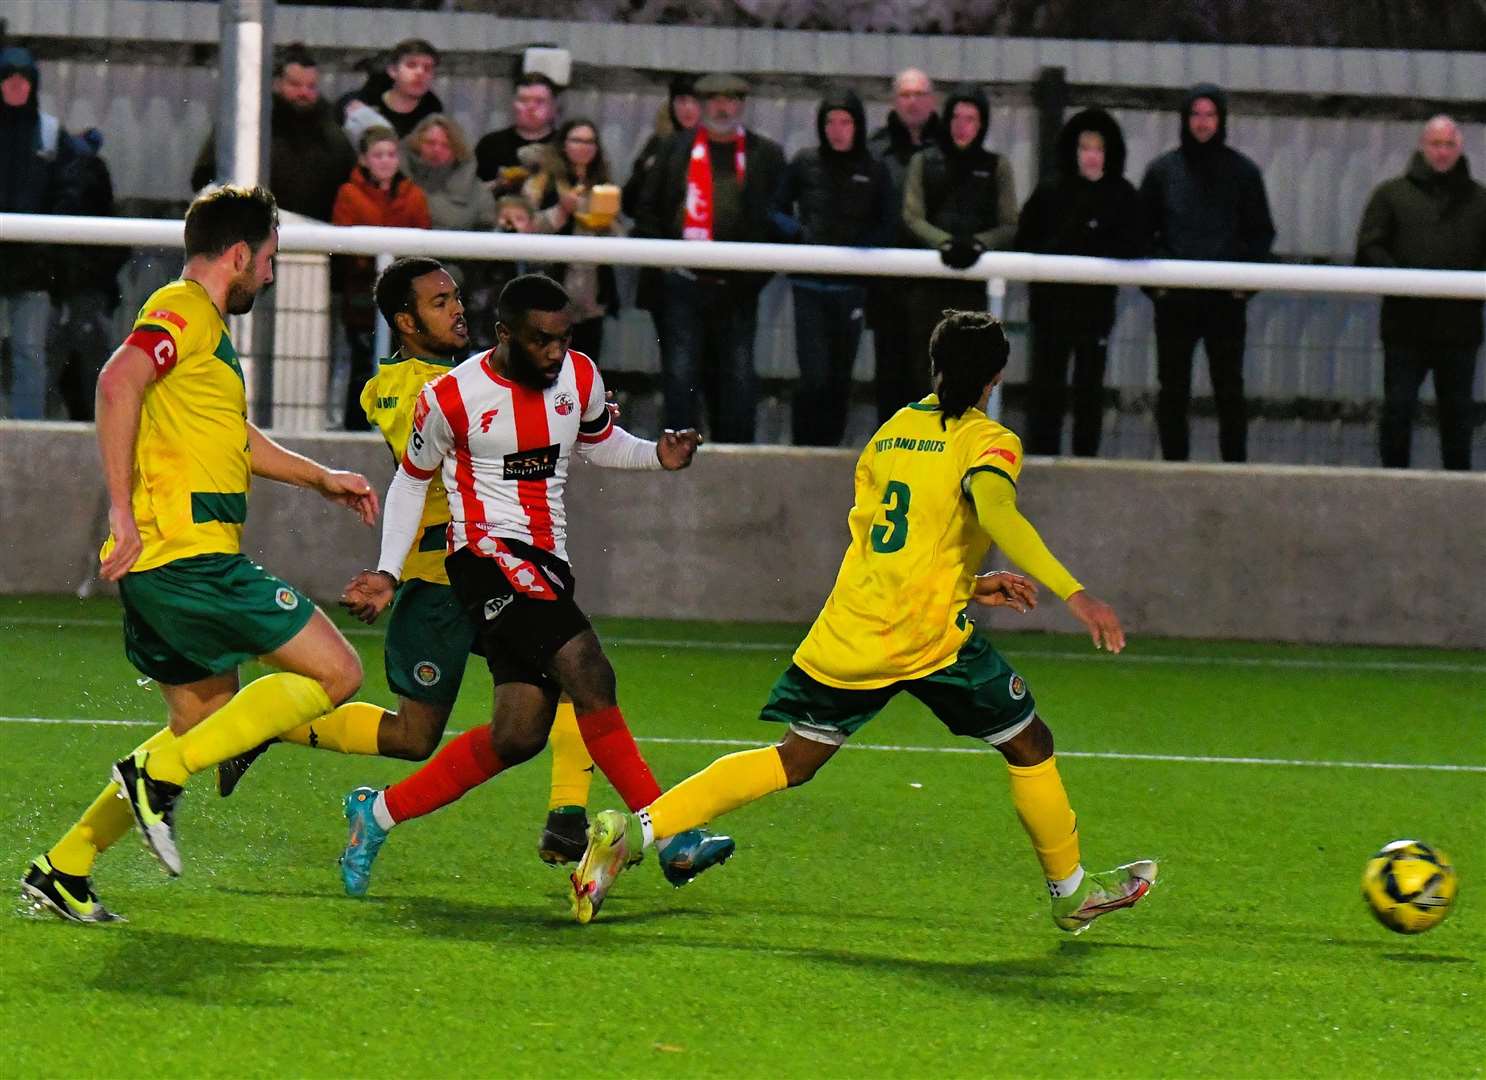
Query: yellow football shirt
x,y
897,610
192,465
388,398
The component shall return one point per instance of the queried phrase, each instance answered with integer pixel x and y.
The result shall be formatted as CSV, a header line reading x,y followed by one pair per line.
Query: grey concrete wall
x,y
1265,553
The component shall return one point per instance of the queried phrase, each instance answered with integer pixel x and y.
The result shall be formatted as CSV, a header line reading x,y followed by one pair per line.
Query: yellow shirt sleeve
x,y
994,497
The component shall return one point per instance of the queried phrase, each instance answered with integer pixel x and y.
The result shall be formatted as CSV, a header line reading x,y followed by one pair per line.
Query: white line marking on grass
x,y
1098,755
788,648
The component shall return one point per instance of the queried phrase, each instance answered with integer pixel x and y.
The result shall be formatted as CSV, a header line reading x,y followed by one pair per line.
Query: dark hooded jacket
x,y
1427,220
309,158
1206,200
33,153
952,193
1069,215
835,197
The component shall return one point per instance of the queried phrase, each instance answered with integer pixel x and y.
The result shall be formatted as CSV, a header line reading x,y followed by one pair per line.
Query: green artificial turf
x,y
888,919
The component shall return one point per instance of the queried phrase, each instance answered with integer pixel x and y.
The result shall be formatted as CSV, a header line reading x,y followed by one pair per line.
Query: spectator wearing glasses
x,y
568,205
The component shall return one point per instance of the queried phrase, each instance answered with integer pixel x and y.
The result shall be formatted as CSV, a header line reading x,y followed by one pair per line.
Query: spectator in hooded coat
x,y
1204,200
1086,207
834,193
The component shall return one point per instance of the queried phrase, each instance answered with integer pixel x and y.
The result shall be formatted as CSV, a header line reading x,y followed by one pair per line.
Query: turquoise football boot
x,y
688,853
363,843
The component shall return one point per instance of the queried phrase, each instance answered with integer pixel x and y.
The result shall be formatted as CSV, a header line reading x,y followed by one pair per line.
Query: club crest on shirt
x,y
563,403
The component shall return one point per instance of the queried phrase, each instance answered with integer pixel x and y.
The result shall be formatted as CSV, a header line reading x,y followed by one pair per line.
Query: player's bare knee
x,y
514,747
1031,746
802,759
343,678
588,677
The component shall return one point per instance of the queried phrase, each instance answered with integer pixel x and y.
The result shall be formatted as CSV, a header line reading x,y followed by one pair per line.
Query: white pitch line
x,y
788,648
1097,755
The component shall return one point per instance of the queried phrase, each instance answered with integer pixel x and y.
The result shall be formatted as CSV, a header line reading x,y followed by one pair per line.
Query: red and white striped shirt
x,y
504,448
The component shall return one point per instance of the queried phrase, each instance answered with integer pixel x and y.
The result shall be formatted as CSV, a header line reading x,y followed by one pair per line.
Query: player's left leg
x,y
565,834
820,720
981,697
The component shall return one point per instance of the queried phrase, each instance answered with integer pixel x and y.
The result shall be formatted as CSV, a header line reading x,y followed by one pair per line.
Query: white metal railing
x,y
784,258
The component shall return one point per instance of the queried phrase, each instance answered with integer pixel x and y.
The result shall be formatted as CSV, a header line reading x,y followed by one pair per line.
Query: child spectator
x,y
376,194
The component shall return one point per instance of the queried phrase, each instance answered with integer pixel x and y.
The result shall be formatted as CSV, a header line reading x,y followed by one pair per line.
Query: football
x,y
1409,886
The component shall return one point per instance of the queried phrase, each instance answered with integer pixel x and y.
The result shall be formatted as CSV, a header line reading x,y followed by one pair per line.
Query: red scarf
x,y
697,223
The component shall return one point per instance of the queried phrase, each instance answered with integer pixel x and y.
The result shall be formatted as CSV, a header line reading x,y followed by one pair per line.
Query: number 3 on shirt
x,y
891,537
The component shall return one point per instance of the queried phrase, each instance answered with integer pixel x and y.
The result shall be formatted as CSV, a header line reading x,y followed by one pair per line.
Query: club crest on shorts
x,y
563,403
1018,687
286,598
426,672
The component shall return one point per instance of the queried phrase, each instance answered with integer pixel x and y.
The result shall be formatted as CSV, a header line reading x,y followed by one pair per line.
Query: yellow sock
x,y
726,784
572,768
350,729
101,824
263,709
1042,804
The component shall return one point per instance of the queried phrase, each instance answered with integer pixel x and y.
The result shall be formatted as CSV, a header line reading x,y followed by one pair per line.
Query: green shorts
x,y
428,643
978,696
197,617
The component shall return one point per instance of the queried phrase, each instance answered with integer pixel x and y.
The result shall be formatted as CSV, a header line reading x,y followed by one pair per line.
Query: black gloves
x,y
961,252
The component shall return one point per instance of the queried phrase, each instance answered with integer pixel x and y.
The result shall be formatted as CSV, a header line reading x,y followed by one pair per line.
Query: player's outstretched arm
x,y
995,507
349,489
121,387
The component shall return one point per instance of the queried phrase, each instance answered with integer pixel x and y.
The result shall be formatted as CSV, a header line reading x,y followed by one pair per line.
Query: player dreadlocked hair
x,y
529,292
394,288
966,351
219,218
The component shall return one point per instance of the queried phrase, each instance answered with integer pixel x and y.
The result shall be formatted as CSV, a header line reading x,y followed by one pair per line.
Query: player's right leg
x,y
218,611
518,730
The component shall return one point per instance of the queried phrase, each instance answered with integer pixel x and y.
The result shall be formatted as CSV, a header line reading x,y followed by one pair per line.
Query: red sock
x,y
613,750
466,763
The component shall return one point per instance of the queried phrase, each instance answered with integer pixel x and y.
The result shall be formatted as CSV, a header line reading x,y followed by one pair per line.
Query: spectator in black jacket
x,y
498,153
33,150
912,124
715,183
309,157
402,94
1431,217
835,193
85,288
1204,200
959,198
681,112
1086,207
